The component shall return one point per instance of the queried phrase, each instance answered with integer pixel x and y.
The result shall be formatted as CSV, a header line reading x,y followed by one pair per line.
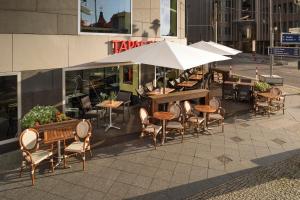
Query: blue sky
x,y
109,7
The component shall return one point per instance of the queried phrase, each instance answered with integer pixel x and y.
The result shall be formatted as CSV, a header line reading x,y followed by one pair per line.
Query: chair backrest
x,y
140,91
172,83
215,103
245,80
149,86
86,103
123,96
83,129
176,110
144,116
178,80
29,139
187,107
276,91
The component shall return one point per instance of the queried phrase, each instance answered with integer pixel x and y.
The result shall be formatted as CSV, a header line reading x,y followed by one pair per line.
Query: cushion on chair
x,y
39,156
216,116
262,104
150,127
174,125
194,119
76,147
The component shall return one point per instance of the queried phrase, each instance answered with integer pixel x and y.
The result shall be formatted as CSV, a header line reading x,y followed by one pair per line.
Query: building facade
x,y
242,24
48,48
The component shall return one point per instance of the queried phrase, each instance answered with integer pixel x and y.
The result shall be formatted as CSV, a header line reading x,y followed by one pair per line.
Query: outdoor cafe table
x,y
163,116
196,77
110,105
178,96
187,83
239,83
270,96
159,91
205,109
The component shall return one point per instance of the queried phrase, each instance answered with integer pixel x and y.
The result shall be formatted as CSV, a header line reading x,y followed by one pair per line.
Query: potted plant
x,y
262,86
113,96
41,115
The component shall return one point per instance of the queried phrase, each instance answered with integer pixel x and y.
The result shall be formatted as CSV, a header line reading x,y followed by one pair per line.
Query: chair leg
x,y
65,160
91,154
32,174
182,133
51,165
21,169
222,125
83,161
154,141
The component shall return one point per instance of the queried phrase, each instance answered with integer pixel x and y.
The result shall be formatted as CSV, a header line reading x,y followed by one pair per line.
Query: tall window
x,y
168,17
103,16
8,107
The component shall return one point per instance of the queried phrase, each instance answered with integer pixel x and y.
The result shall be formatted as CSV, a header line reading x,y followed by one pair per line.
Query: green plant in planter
x,y
39,115
113,96
262,86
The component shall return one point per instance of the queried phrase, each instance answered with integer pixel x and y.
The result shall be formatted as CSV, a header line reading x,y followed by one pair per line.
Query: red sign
x,y
123,45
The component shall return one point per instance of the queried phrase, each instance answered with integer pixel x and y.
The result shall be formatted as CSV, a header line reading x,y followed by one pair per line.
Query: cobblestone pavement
x,y
279,181
134,170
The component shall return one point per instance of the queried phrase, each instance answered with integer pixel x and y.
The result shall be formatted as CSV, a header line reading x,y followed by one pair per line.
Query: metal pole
x,y
271,35
216,20
164,90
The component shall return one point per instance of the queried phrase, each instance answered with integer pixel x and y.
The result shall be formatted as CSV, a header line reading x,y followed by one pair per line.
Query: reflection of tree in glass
x,y
155,25
145,34
134,28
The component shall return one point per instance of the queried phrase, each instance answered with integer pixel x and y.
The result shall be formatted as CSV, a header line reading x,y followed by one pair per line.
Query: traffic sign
x,y
285,51
290,38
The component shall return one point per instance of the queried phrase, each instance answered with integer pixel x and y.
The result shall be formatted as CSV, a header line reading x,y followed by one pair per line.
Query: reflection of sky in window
x,y
109,7
165,16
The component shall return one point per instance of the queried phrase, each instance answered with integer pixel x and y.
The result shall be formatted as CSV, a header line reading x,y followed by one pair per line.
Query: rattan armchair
x,y
219,115
191,118
147,127
177,123
31,153
81,144
261,104
279,102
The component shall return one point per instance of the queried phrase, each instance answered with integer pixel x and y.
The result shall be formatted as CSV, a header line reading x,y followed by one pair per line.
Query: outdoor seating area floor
x,y
135,170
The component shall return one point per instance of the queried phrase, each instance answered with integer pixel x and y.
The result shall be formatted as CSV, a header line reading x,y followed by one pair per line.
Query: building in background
x,y
47,50
242,24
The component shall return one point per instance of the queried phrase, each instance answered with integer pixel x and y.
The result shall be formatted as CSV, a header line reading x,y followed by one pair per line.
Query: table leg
x,y
110,125
59,156
163,132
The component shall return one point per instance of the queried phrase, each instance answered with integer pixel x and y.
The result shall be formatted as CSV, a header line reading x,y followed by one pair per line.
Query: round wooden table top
x,y
205,108
163,115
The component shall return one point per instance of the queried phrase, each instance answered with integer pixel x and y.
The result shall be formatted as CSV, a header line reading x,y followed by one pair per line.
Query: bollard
x,y
256,73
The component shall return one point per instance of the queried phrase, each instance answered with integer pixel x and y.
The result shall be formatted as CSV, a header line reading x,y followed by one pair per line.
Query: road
x,y
245,65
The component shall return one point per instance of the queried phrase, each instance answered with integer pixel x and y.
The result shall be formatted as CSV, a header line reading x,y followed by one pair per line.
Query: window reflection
x,y
168,17
103,16
8,107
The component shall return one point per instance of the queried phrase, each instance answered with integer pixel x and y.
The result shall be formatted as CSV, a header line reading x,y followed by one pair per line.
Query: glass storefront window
x,y
8,107
89,82
168,17
103,16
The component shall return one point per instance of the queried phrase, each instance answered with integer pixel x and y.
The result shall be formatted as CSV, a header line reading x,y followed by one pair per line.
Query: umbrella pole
x,y
164,90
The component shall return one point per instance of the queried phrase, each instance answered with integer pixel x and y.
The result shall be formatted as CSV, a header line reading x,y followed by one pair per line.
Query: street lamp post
x,y
271,35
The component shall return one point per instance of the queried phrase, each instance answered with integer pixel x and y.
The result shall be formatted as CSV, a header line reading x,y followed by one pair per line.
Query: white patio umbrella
x,y
165,54
215,48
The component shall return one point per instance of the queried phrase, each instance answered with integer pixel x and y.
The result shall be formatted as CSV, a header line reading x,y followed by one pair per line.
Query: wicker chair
x,y
31,154
149,86
191,118
177,123
228,91
261,104
219,115
147,127
88,111
279,102
82,142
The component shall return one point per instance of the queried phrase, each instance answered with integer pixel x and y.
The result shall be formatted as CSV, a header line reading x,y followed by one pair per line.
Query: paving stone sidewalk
x,y
134,170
